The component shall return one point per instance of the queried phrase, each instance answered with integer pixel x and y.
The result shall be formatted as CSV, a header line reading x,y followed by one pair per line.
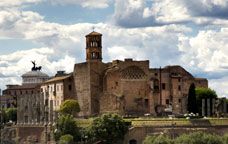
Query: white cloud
x,y
17,3
220,86
13,65
84,3
207,51
135,13
162,45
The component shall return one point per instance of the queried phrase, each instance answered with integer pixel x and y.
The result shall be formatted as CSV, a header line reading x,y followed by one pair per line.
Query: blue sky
x,y
192,34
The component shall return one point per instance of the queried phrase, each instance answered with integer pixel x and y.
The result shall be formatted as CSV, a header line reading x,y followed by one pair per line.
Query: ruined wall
x,y
89,86
69,88
127,82
172,86
96,70
30,109
82,86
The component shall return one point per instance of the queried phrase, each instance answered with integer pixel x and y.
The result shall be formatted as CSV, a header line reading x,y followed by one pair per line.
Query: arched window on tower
x,y
98,55
93,55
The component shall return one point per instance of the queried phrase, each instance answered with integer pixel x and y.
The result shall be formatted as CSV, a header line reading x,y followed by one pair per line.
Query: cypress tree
x,y
192,104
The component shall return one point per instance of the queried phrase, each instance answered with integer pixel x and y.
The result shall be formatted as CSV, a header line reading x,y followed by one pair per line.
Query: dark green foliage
x,y
199,138
8,114
161,139
225,138
3,115
109,128
205,93
66,125
202,93
70,107
192,104
192,138
11,114
66,139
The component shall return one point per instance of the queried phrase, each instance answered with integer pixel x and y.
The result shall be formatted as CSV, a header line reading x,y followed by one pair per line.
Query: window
x,y
69,87
146,103
163,86
156,74
116,83
179,79
93,55
179,88
179,100
167,101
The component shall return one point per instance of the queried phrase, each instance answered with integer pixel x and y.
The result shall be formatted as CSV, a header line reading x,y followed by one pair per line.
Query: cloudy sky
x,y
190,33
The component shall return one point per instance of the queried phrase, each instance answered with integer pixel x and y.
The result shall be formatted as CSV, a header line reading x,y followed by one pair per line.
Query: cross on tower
x,y
93,28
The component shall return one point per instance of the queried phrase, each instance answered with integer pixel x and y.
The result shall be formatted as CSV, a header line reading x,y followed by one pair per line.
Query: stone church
x,y
129,87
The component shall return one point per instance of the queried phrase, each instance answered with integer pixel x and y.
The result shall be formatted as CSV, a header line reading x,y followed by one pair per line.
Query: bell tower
x,y
94,46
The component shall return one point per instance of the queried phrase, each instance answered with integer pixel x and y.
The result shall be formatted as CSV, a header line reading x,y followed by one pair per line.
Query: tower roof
x,y
93,33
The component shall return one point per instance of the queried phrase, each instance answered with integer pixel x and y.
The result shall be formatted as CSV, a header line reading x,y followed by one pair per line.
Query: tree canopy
x,y
66,125
192,104
202,93
109,128
66,139
70,106
205,93
11,114
191,138
8,114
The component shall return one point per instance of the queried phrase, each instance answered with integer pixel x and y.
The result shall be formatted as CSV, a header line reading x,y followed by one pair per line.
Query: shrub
x,y
110,128
66,125
198,138
66,139
225,139
161,139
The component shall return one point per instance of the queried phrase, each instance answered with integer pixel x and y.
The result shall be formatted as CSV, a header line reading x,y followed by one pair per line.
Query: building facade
x,y
129,87
27,97
55,90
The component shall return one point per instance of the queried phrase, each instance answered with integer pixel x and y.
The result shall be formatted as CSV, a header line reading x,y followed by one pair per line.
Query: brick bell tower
x,y
94,46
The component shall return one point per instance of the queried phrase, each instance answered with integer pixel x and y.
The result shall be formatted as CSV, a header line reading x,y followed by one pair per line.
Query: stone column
x,y
51,112
151,104
203,107
213,107
208,107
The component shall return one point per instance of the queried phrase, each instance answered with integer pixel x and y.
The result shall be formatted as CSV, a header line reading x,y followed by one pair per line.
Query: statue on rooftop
x,y
34,68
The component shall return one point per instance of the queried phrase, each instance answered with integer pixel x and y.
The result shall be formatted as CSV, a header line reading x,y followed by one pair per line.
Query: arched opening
x,y
133,141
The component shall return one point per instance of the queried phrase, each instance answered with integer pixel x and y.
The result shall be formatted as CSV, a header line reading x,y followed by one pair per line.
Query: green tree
x,y
202,93
192,104
161,139
66,139
70,106
225,138
109,128
199,138
11,114
3,116
66,125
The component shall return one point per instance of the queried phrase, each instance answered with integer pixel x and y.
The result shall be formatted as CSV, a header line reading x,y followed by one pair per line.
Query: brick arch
x,y
133,72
